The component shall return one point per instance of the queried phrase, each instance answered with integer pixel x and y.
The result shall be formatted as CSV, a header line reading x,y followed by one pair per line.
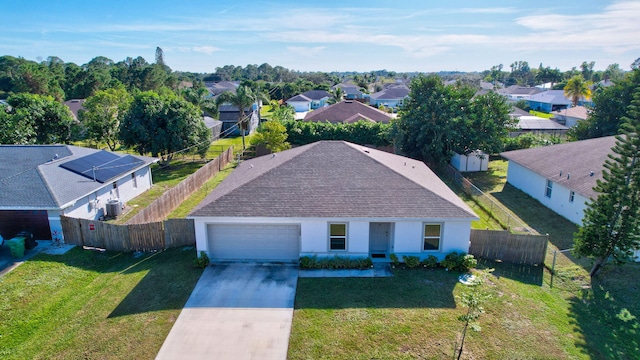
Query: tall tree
x,y
104,112
438,120
273,135
611,225
577,88
200,97
587,70
244,99
163,124
39,119
337,95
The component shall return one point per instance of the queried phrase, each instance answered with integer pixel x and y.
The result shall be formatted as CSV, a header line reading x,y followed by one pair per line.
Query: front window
x,y
549,188
338,236
432,235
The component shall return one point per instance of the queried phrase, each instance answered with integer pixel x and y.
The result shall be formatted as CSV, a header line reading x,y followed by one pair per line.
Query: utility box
x,y
113,208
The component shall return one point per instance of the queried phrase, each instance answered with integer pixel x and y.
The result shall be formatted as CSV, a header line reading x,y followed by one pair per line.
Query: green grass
x,y
93,305
541,114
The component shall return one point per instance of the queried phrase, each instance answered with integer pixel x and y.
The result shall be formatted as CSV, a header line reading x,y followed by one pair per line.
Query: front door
x,y
379,236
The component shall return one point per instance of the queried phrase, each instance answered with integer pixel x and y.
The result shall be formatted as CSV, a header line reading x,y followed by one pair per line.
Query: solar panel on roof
x,y
102,166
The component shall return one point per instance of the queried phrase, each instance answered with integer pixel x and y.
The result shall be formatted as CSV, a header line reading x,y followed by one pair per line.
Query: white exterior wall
x,y
471,162
300,106
534,185
406,238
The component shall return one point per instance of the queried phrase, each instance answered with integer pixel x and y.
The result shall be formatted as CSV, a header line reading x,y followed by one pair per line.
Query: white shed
x,y
476,160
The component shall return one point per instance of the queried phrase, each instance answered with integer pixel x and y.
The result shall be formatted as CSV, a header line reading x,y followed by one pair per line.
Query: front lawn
x,y
93,305
414,315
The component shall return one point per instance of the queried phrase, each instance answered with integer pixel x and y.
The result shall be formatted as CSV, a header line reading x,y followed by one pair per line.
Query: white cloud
x,y
209,50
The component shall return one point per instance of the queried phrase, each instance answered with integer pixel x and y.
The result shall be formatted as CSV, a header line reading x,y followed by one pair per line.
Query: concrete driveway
x,y
236,311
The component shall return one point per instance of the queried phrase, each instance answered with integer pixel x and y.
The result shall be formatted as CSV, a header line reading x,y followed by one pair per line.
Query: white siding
x,y
406,238
534,185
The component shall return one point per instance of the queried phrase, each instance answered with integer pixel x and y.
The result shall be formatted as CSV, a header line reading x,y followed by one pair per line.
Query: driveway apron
x,y
236,311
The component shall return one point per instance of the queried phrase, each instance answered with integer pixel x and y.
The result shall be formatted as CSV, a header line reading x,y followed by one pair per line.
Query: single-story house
x,y
549,101
562,176
309,100
569,117
351,91
229,117
348,111
41,182
331,198
514,93
392,97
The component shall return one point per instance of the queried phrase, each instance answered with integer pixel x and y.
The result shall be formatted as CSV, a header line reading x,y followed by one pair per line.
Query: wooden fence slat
x,y
507,247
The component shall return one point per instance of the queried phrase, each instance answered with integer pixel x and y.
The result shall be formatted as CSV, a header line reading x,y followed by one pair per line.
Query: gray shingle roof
x,y
31,176
347,111
551,97
300,98
333,179
392,93
519,90
316,94
577,158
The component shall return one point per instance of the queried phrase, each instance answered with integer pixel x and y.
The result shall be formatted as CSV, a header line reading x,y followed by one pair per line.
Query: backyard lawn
x,y
93,305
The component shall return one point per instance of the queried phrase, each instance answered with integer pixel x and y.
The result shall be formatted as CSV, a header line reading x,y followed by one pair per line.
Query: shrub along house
x,y
41,182
331,198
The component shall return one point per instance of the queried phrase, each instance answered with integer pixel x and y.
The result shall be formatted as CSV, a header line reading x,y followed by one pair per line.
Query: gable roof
x,y
348,111
568,164
551,97
333,179
35,177
578,112
300,98
517,112
395,92
519,90
317,94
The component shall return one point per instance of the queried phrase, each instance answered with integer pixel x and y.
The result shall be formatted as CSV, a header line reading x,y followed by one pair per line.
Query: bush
x,y
459,262
431,262
336,262
202,261
394,259
411,261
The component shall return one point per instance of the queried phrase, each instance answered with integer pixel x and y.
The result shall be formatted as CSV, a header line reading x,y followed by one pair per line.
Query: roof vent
x,y
591,173
274,155
560,172
367,151
568,176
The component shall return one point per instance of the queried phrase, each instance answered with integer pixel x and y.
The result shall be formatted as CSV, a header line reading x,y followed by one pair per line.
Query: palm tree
x,y
201,98
337,95
577,87
243,98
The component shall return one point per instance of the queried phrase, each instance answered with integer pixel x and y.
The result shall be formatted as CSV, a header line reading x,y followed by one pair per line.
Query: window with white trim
x,y
431,237
548,189
572,196
338,236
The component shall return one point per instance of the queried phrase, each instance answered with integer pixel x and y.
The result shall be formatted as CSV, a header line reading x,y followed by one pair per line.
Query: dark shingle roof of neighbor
x,y
551,97
568,164
348,111
517,112
301,98
316,94
31,175
396,92
333,179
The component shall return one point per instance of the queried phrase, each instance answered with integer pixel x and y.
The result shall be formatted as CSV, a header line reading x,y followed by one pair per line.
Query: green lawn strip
x,y
93,305
541,114
414,315
185,208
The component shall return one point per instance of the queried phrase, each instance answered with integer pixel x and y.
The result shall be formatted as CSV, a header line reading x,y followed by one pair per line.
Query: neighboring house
x,y
351,91
569,117
392,97
561,176
309,100
41,182
75,105
348,111
514,93
217,88
549,101
530,124
331,198
229,117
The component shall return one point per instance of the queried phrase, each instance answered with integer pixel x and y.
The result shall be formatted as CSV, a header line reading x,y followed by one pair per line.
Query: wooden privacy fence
x,y
507,247
132,237
172,198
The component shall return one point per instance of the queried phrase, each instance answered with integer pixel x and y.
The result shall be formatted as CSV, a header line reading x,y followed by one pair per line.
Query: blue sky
x,y
328,35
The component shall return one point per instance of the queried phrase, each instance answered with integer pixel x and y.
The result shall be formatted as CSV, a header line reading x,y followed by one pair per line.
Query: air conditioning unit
x,y
113,208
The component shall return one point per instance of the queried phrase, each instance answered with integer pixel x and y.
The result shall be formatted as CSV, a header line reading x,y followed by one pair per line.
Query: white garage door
x,y
265,242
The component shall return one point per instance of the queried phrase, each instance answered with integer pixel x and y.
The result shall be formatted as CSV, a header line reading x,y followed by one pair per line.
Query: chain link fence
x,y
488,204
